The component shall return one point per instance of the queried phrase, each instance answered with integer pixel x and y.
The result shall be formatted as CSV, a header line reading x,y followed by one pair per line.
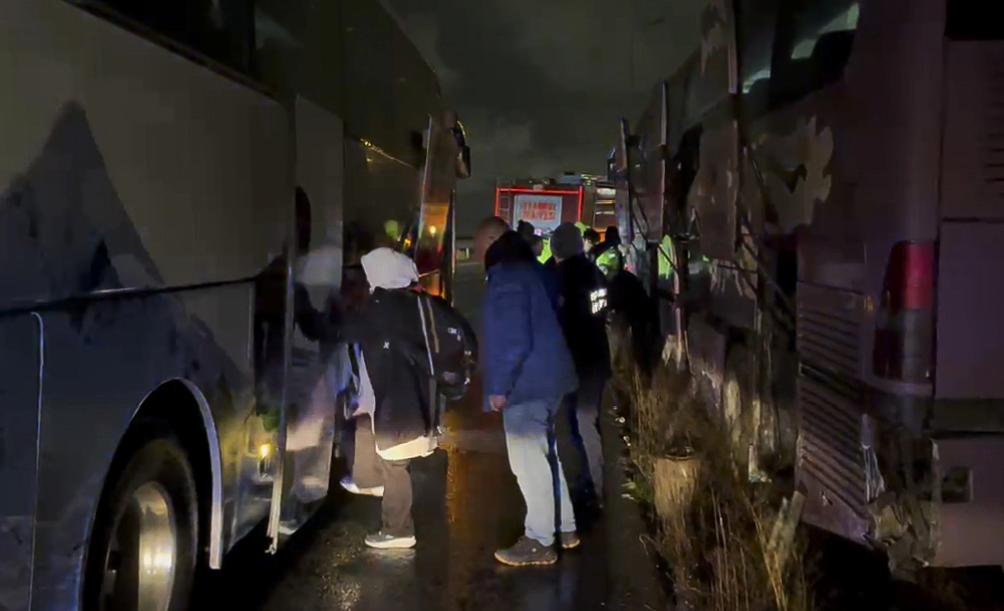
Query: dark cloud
x,y
541,84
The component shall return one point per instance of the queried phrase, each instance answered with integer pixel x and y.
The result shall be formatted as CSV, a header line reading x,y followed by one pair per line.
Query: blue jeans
x,y
533,458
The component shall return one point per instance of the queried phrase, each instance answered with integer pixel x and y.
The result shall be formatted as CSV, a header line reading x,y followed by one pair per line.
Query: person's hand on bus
x,y
497,402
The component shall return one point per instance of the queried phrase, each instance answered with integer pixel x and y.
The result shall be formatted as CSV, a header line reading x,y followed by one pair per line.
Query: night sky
x,y
540,84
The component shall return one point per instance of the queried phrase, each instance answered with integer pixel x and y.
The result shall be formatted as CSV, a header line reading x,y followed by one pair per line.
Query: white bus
x,y
183,187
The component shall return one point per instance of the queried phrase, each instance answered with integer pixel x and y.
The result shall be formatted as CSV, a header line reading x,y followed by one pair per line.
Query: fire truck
x,y
547,203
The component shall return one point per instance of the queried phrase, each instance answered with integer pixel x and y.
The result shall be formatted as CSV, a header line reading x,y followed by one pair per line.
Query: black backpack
x,y
451,346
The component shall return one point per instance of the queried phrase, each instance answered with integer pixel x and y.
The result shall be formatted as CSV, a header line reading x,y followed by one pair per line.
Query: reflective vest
x,y
545,254
610,262
666,259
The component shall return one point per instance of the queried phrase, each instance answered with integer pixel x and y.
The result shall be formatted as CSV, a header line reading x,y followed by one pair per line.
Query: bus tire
x,y
152,490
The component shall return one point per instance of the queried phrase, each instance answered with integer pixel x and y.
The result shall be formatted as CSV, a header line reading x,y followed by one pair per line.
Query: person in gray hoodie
x,y
394,386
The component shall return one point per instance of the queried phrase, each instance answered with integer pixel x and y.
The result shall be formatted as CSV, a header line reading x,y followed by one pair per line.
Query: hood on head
x,y
389,269
509,248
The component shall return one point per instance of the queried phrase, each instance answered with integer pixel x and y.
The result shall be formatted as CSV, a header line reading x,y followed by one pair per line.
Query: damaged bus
x,y
183,187
831,174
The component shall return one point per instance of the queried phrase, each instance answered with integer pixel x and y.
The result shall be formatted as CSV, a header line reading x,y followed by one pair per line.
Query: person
x,y
537,246
510,247
394,387
527,370
608,255
581,311
590,239
526,230
631,329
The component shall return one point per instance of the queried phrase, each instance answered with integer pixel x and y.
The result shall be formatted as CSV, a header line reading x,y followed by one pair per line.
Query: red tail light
x,y
904,335
909,280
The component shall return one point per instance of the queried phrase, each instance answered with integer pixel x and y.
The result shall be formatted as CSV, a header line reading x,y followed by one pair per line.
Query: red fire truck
x,y
547,203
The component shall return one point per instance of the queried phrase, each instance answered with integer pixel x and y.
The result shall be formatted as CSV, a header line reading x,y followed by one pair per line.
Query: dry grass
x,y
715,537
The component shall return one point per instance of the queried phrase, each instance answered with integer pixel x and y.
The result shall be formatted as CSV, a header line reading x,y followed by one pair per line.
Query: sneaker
x,y
382,540
527,552
569,540
347,483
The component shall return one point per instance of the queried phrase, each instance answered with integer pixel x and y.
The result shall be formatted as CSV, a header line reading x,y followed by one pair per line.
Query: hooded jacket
x,y
524,356
388,329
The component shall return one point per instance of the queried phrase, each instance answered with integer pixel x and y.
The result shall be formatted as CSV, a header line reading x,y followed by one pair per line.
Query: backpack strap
x,y
435,412
433,332
425,334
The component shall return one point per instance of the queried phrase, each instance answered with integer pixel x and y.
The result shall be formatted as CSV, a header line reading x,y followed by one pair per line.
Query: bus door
x,y
439,177
307,429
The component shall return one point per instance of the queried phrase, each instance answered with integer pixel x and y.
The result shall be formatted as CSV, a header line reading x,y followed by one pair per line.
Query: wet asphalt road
x,y
466,506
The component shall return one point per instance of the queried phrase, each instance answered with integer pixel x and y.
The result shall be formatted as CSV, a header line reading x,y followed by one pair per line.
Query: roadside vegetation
x,y
718,533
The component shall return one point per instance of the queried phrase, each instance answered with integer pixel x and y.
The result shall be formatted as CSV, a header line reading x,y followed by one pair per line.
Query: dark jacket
x,y
512,248
628,300
581,284
388,328
524,356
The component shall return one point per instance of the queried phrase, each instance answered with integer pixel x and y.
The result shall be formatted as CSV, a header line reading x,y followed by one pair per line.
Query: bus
x,y
187,188
829,174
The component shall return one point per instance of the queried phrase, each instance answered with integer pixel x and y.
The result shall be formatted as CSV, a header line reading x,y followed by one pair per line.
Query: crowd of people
x,y
545,353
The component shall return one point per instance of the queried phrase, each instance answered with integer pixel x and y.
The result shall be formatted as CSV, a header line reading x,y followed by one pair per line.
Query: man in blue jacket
x,y
527,370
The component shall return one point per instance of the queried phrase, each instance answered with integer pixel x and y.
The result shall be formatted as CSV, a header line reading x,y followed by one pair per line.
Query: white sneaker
x,y
349,485
382,540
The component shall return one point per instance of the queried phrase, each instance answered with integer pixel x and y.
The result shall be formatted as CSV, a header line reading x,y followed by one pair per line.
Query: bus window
x,y
820,19
970,20
756,24
221,30
813,46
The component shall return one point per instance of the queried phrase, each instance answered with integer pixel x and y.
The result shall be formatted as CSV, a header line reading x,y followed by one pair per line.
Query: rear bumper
x,y
971,532
870,476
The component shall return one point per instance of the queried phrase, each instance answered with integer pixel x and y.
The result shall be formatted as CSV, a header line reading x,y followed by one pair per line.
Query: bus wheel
x,y
144,546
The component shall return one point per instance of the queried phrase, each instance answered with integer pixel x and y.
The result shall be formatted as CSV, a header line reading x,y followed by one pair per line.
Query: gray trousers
x,y
533,458
370,471
365,466
395,511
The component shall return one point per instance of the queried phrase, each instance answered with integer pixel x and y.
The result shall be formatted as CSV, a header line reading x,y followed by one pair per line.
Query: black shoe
x,y
527,552
570,540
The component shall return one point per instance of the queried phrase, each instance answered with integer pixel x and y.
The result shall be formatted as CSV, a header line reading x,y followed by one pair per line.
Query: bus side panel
x,y
20,362
972,184
125,166
969,325
197,161
715,190
970,331
103,358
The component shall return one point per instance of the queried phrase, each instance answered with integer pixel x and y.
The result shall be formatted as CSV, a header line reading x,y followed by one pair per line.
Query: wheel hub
x,y
142,558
